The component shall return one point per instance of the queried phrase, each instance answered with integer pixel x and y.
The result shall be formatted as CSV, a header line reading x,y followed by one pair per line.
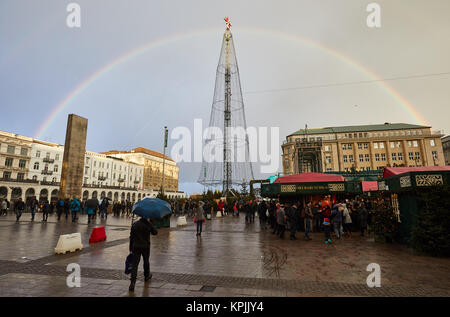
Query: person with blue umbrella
x,y
147,208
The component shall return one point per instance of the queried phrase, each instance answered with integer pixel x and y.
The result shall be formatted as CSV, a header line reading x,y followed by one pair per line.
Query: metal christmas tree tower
x,y
227,113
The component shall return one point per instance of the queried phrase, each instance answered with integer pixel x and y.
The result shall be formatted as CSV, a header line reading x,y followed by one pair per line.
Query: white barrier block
x,y
69,242
218,214
181,221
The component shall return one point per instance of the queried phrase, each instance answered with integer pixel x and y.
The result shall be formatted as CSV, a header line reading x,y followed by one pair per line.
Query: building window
x,y
361,158
383,157
375,145
35,178
350,146
36,166
55,169
57,157
367,157
11,149
54,179
47,155
411,155
392,145
417,155
9,161
351,158
22,163
394,156
345,158
415,143
400,156
95,163
23,151
432,143
328,159
38,153
327,148
377,157
434,153
20,176
381,145
86,170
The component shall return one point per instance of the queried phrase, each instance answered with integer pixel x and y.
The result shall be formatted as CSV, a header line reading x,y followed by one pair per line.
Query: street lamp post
x,y
164,159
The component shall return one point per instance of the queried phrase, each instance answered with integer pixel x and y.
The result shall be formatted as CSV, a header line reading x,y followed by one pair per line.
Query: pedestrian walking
x,y
104,209
4,208
336,215
140,246
293,216
199,217
74,208
33,207
45,210
363,215
347,221
281,221
19,207
59,208
262,213
66,207
308,220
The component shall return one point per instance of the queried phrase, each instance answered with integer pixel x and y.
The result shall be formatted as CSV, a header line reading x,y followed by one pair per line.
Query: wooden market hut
x,y
402,184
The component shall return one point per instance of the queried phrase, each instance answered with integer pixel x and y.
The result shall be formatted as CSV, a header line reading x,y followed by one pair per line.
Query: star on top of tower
x,y
228,23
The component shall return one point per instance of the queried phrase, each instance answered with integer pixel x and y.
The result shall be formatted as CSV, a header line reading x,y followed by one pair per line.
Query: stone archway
x,y
109,195
16,193
85,195
54,195
116,196
133,197
43,195
3,192
122,196
94,194
128,196
30,193
102,195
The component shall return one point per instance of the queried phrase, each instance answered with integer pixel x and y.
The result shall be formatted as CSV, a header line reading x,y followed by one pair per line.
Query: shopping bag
x,y
128,263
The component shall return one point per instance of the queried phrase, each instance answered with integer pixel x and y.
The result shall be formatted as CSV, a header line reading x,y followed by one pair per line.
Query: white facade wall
x,y
46,162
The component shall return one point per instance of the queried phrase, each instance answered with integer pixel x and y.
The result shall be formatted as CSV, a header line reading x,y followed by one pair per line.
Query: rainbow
x,y
82,86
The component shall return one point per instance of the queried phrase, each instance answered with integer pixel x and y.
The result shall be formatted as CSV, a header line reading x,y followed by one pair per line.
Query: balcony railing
x,y
30,181
48,160
121,180
102,178
47,172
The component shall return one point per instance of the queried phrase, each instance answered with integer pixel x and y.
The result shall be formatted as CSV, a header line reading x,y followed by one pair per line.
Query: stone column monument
x,y
73,161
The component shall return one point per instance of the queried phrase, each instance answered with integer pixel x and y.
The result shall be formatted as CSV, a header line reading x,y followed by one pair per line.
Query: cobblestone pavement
x,y
229,259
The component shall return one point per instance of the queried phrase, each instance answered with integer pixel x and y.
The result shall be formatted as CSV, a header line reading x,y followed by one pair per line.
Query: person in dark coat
x,y
45,210
19,207
363,215
293,217
262,210
59,208
33,206
66,207
140,246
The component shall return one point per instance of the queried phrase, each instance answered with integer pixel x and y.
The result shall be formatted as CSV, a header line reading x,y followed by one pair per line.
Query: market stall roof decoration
x,y
394,171
310,178
369,186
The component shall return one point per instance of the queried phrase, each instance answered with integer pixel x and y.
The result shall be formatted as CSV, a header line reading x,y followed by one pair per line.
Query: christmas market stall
x,y
306,187
420,198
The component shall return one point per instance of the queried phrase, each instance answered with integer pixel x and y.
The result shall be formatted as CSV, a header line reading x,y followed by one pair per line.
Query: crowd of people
x,y
65,207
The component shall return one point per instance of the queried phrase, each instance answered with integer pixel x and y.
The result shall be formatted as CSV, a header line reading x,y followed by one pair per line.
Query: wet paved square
x,y
229,259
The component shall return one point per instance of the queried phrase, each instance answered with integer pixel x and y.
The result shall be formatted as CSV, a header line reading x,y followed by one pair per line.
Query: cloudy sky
x,y
135,66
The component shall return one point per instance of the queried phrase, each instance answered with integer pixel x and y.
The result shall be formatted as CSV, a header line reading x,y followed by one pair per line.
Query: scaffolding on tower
x,y
227,113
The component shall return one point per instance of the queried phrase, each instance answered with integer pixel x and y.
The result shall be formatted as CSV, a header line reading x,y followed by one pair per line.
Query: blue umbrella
x,y
152,208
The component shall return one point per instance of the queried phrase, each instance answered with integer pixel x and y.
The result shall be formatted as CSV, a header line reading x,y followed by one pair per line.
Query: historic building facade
x,y
361,148
153,167
32,168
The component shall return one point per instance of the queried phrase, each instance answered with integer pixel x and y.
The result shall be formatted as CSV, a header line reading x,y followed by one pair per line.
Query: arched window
x,y
36,165
35,178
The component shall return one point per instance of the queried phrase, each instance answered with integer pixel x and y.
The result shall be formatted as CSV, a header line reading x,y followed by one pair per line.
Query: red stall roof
x,y
392,171
310,178
368,186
